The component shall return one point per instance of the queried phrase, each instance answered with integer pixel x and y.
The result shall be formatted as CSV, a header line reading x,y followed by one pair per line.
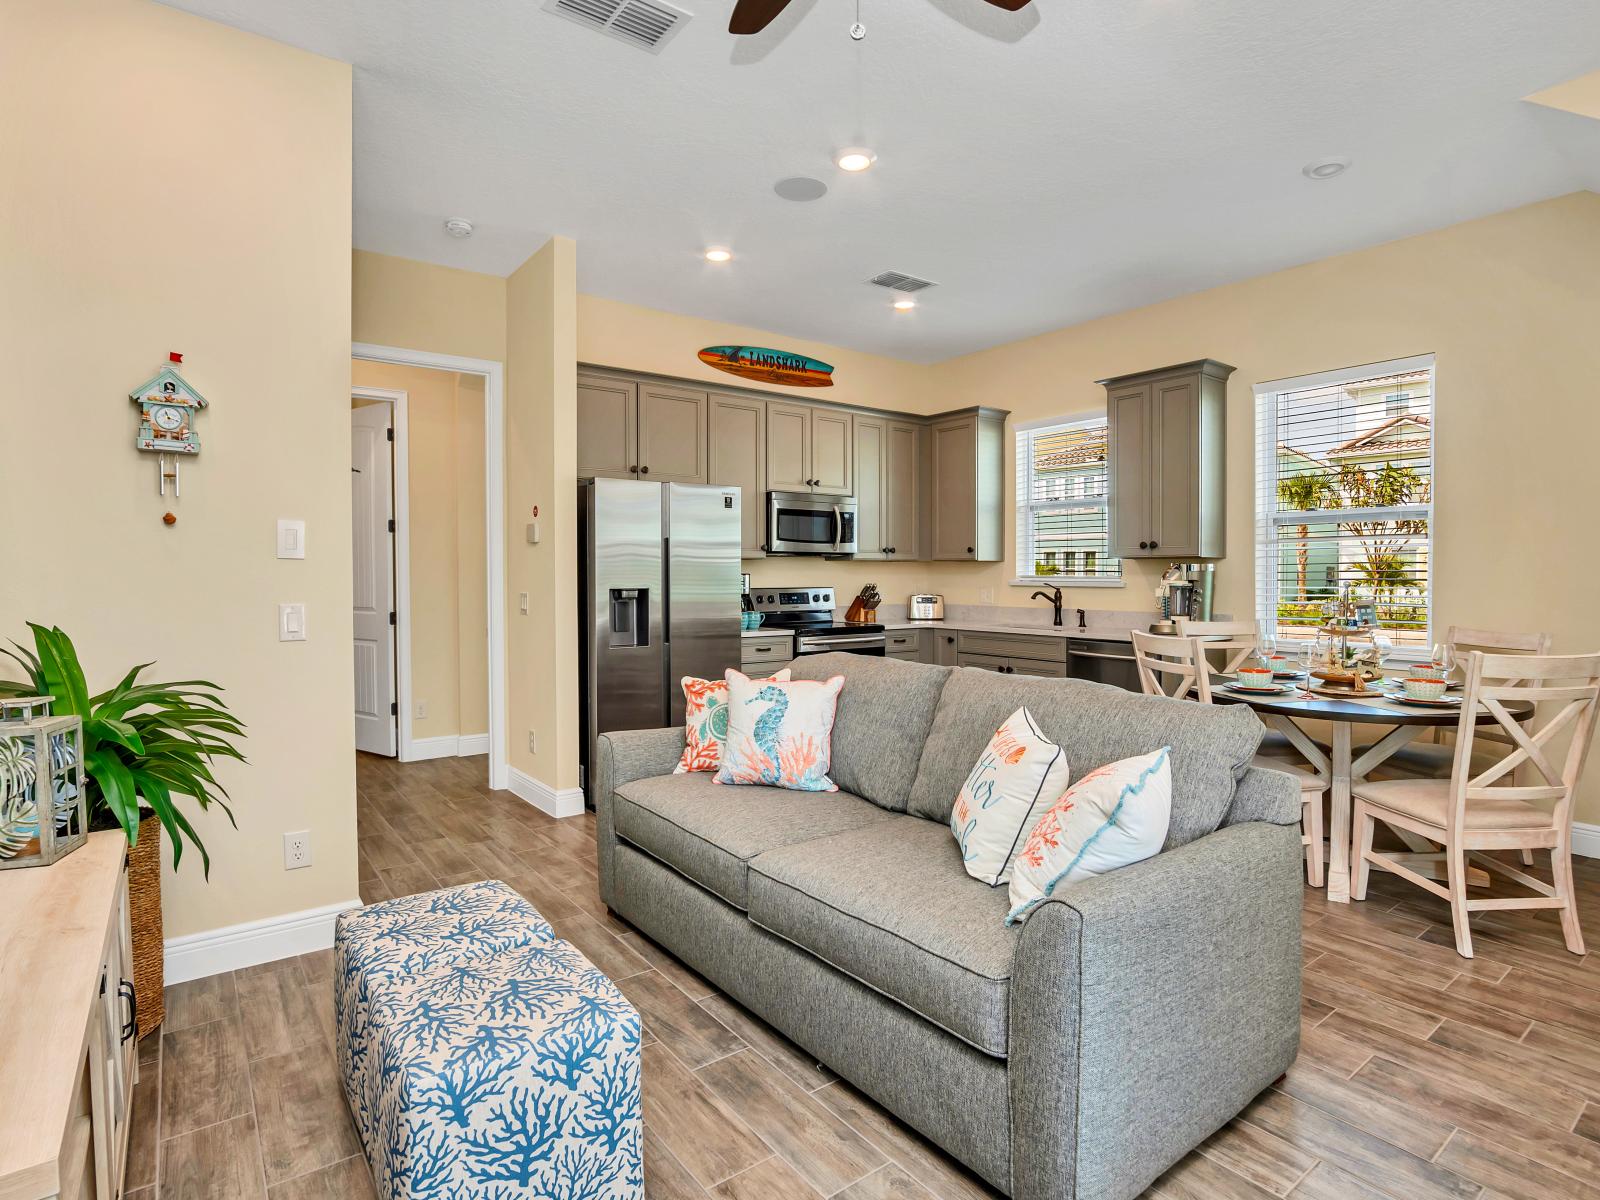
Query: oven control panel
x,y
792,599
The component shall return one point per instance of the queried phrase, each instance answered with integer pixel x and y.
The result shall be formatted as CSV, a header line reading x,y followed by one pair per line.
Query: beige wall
x,y
449,625
541,471
420,306
178,185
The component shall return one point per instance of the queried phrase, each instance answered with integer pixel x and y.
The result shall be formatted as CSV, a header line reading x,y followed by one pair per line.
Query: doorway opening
x,y
428,556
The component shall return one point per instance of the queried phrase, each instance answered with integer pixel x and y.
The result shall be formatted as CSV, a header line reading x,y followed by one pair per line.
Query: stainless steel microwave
x,y
800,523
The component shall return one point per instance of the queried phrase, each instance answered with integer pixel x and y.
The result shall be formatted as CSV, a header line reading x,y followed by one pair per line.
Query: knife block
x,y
859,612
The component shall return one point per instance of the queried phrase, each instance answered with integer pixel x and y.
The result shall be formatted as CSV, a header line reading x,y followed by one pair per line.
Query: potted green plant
x,y
146,747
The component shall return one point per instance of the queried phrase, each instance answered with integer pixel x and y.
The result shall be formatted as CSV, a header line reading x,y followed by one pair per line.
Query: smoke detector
x,y
647,24
458,227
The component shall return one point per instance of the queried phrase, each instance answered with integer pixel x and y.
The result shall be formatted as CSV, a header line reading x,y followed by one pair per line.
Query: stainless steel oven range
x,y
800,523
808,613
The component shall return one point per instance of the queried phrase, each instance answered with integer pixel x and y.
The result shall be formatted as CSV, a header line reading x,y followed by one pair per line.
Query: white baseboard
x,y
565,803
197,955
449,745
1586,839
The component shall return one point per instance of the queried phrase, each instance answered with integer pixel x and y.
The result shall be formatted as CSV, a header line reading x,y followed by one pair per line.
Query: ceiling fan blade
x,y
752,16
1010,5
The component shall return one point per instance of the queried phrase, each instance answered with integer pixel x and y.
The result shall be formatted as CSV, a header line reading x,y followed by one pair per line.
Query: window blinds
x,y
1061,503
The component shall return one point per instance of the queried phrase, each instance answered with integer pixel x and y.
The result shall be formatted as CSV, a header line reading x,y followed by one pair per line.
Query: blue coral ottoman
x,y
483,1057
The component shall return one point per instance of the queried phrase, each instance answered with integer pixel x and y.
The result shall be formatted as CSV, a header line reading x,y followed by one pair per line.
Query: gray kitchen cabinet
x,y
1014,645
902,489
608,427
871,451
944,648
1014,666
762,655
1166,430
908,644
968,484
672,434
788,447
736,456
810,449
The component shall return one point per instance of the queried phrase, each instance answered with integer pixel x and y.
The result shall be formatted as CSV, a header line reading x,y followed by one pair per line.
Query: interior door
x,y
372,557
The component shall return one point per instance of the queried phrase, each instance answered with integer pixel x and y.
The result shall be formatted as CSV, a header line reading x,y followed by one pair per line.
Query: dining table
x,y
1339,765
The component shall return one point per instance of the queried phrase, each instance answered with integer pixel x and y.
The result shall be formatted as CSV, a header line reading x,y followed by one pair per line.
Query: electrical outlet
x,y
522,602
422,710
297,849
985,595
533,742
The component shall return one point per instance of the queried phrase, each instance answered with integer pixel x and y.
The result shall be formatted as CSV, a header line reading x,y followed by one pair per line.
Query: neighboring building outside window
x,y
1062,528
1344,496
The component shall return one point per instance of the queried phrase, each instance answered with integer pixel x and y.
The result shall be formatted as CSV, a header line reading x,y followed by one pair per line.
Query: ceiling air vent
x,y
898,281
648,24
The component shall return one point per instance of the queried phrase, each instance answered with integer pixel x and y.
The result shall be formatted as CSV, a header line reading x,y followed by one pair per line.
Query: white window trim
x,y
1022,471
1267,483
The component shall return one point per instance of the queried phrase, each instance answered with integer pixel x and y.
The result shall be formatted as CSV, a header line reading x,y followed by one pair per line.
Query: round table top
x,y
1376,711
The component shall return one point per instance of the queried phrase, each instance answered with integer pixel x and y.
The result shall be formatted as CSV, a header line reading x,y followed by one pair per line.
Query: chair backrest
x,y
1234,641
1568,688
1463,640
1172,666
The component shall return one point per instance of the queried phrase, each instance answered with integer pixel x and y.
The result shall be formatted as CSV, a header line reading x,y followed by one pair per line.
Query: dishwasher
x,y
1103,662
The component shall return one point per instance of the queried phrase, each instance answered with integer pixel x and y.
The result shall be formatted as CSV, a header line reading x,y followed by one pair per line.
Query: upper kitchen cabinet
x,y
872,537
608,427
1166,430
672,434
737,457
640,430
902,489
810,449
968,485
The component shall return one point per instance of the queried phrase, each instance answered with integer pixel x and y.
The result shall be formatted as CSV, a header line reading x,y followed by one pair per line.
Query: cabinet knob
x,y
634,470
950,640
644,470
1144,545
892,550
969,549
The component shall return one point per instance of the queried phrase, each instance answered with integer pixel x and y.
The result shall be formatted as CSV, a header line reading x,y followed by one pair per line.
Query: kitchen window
x,y
1344,498
1062,478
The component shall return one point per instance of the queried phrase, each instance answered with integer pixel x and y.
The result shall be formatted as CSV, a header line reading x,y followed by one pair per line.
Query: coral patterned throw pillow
x,y
1018,776
780,734
705,720
1112,817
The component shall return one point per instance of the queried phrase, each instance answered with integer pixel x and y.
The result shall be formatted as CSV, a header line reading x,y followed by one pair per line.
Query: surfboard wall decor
x,y
769,366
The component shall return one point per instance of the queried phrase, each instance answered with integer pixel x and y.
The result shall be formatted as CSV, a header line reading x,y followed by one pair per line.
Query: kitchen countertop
x,y
969,626
766,631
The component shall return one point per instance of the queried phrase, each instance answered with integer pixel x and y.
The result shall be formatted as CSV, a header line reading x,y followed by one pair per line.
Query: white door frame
x,y
400,483
494,477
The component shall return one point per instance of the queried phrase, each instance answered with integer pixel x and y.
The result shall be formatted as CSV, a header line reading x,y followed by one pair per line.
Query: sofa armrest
x,y
1265,795
621,758
1147,1007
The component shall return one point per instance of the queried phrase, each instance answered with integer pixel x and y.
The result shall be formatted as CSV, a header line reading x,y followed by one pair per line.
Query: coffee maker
x,y
1186,591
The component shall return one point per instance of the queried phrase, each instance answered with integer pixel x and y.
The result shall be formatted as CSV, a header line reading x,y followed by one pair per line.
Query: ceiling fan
x,y
752,16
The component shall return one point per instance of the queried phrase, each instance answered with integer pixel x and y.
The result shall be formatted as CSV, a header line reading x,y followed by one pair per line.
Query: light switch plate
x,y
291,622
291,539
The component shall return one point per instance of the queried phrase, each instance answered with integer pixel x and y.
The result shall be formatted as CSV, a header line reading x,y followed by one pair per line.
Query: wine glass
x,y
1444,659
1266,644
1382,650
1310,652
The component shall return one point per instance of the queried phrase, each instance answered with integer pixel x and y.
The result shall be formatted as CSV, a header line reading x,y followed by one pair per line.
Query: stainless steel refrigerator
x,y
659,580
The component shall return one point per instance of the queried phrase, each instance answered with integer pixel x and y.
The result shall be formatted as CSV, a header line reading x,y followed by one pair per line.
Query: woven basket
x,y
144,910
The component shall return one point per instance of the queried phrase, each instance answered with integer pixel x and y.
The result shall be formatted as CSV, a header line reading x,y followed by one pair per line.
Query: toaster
x,y
925,607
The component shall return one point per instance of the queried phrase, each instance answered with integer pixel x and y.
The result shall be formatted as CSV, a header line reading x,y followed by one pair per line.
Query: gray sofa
x,y
1074,1057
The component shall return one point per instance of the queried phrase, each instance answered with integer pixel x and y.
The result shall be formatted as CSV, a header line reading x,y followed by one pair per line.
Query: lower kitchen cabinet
x,y
944,648
1014,666
764,655
909,644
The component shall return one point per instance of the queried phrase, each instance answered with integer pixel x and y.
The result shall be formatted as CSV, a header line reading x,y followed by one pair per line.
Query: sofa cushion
x,y
1095,724
891,905
881,723
710,831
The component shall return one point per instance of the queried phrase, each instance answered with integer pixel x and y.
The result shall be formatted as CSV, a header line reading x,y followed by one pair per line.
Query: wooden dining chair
x,y
1177,668
1228,645
1475,811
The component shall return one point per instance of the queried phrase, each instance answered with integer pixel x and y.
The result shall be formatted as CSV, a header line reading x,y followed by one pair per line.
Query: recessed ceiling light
x,y
1325,168
854,158
905,303
800,188
458,227
719,255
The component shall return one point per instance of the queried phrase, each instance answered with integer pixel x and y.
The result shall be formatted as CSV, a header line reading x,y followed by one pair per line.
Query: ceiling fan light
x,y
854,158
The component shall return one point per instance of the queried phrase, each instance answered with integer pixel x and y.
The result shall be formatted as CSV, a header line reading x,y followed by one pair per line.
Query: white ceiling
x,y
1079,158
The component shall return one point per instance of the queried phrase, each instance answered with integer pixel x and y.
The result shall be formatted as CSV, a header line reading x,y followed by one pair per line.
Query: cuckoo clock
x,y
167,409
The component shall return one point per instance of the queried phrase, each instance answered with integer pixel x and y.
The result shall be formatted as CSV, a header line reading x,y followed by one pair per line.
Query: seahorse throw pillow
x,y
1112,817
780,734
705,719
1018,776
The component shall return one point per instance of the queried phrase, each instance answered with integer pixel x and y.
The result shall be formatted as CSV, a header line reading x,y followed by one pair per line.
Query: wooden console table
x,y
66,1015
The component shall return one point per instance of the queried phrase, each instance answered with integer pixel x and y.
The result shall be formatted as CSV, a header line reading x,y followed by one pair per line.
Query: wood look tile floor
x,y
1422,1075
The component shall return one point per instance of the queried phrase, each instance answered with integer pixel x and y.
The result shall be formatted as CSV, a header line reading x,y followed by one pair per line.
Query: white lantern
x,y
44,812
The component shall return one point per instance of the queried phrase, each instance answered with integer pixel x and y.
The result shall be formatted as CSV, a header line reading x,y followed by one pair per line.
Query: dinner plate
x,y
1399,695
1276,689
